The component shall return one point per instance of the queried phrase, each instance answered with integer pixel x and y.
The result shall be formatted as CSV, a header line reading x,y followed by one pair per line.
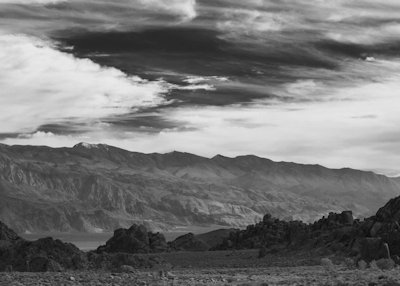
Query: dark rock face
x,y
136,239
390,212
7,234
189,242
372,248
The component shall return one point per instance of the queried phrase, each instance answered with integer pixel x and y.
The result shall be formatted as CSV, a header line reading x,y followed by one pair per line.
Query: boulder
x,y
346,218
126,269
375,229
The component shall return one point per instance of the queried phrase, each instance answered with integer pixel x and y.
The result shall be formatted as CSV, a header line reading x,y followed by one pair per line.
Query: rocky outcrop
x,y
92,188
136,239
374,238
42,255
47,254
336,233
50,255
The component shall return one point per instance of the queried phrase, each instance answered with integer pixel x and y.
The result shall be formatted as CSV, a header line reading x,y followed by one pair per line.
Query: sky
x,y
309,81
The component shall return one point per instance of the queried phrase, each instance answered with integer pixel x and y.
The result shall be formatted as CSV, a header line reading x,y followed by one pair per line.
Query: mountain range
x,y
98,188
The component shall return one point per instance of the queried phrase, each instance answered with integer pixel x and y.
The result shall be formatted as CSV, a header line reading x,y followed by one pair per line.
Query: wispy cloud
x,y
41,85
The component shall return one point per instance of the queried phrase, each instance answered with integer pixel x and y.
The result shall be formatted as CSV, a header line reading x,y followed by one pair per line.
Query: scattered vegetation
x,y
385,264
362,265
349,263
373,266
328,265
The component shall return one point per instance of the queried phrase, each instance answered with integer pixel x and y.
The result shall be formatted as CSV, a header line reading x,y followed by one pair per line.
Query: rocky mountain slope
x,y
100,188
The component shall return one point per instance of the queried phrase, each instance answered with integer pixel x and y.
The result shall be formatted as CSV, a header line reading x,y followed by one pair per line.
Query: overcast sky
x,y
310,81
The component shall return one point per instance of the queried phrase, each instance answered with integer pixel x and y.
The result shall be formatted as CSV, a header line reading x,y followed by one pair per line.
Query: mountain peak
x,y
91,146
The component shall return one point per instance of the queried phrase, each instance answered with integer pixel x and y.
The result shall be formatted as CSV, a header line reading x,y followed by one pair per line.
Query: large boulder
x,y
346,218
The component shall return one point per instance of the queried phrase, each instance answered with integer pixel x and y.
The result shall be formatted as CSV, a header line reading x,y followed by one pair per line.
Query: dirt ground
x,y
218,268
309,275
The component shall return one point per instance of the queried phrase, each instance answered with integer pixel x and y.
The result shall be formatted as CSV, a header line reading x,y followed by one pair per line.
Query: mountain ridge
x,y
97,187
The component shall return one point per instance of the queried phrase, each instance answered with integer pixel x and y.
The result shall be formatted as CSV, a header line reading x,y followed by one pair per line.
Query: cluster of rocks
x,y
124,249
268,233
48,254
136,239
371,239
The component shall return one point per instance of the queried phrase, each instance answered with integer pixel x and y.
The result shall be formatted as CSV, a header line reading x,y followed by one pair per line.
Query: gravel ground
x,y
309,275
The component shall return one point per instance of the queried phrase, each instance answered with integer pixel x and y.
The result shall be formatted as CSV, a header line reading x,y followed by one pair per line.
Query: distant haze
x,y
309,81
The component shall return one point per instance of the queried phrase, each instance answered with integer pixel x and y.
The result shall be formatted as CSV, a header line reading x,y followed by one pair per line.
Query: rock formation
x,y
44,254
136,239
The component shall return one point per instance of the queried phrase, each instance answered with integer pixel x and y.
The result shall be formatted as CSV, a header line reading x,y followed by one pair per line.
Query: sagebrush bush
x,y
373,265
327,264
362,265
385,264
349,263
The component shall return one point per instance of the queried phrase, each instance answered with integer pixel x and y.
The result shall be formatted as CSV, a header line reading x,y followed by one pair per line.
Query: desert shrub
x,y
385,264
327,264
362,265
373,265
349,263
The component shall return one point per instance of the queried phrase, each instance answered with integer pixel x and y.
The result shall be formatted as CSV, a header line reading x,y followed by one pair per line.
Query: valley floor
x,y
308,275
218,268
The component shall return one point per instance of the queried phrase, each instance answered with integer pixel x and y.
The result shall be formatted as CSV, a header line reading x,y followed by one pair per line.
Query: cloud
x,y
184,8
42,2
49,17
41,85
